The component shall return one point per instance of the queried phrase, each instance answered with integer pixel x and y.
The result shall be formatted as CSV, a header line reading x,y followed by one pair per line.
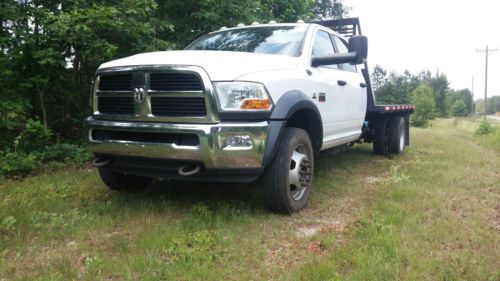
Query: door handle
x,y
362,85
341,82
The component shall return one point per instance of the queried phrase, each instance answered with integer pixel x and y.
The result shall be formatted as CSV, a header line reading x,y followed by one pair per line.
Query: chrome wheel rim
x,y
300,173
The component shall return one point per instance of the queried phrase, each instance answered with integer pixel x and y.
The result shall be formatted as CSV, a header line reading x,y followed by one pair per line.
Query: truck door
x,y
333,95
355,88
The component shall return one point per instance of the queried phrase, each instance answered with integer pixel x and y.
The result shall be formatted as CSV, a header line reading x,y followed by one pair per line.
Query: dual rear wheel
x,y
389,136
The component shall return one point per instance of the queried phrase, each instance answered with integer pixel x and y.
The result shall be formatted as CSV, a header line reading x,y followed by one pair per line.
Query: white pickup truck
x,y
241,104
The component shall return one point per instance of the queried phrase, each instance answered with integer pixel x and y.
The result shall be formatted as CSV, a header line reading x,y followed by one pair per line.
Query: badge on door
x,y
322,97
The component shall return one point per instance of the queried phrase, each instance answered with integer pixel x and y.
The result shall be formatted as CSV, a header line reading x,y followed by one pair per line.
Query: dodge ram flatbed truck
x,y
241,104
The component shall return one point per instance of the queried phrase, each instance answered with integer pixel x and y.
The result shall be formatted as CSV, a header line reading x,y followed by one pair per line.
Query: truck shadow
x,y
185,194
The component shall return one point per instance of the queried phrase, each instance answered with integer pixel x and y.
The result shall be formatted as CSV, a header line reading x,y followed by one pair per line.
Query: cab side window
x,y
323,46
342,48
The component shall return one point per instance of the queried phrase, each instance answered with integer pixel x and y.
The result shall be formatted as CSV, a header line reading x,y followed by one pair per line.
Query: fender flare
x,y
290,103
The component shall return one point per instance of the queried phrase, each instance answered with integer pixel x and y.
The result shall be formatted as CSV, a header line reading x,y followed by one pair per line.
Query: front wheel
x,y
121,182
287,181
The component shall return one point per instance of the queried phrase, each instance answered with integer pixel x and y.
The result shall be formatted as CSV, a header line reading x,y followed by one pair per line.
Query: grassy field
x,y
430,214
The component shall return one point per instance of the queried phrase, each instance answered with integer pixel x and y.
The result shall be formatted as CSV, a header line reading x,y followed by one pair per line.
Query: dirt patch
x,y
312,225
336,218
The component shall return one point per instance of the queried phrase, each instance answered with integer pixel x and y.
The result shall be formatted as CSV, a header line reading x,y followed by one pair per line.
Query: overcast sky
x,y
436,35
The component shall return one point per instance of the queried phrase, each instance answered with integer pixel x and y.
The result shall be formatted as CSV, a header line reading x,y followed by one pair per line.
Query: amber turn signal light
x,y
256,104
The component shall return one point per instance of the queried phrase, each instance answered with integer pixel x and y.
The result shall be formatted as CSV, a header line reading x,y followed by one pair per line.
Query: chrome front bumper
x,y
211,151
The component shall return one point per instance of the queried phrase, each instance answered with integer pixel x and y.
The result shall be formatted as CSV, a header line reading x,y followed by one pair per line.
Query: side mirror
x,y
358,52
359,45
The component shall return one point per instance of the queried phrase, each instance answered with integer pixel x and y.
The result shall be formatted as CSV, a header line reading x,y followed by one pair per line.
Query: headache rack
x,y
346,27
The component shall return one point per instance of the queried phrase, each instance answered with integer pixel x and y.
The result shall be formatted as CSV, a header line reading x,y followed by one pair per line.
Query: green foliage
x,y
423,99
440,87
459,109
428,218
34,137
464,97
14,112
485,128
49,51
379,77
65,153
492,105
394,89
397,88
18,164
7,223
328,9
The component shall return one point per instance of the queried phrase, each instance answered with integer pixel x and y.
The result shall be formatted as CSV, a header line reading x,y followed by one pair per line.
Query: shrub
x,y
459,109
485,128
34,137
14,164
423,99
65,153
19,164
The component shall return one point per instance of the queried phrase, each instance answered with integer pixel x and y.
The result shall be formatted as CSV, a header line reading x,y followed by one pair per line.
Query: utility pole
x,y
473,103
486,51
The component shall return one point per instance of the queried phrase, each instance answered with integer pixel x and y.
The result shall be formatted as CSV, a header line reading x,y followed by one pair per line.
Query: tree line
x,y
430,93
50,50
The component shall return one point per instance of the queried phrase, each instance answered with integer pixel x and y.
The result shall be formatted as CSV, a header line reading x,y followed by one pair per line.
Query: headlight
x,y
236,96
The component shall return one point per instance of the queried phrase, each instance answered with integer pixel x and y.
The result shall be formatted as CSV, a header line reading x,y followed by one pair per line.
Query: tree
x,y
396,89
379,77
50,49
493,105
423,99
464,95
191,19
329,9
459,109
440,86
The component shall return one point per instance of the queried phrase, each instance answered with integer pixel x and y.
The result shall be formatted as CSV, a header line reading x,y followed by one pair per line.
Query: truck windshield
x,y
276,40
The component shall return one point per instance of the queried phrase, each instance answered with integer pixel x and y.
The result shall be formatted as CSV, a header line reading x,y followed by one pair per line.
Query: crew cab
x,y
241,104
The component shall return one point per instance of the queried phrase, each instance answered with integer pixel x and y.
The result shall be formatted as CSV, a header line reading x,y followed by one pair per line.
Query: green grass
x,y
431,214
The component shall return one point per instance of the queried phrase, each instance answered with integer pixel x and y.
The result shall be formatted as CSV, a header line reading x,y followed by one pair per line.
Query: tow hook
x,y
101,162
188,170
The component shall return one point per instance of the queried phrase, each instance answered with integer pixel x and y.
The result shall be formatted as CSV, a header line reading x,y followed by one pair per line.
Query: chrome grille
x,y
175,82
178,106
122,82
172,94
116,105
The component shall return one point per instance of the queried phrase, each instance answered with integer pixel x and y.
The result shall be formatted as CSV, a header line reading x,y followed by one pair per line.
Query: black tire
x,y
398,135
121,182
293,163
381,137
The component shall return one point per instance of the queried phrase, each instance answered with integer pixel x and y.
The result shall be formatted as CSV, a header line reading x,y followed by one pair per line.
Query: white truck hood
x,y
220,65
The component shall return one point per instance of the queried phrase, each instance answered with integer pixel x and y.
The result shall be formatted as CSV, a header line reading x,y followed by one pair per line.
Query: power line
x,y
486,51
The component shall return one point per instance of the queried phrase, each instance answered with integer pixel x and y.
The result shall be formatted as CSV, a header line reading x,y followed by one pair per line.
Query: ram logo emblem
x,y
139,94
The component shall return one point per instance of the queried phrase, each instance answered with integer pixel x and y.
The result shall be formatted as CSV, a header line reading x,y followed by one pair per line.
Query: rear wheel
x,y
389,135
287,181
398,135
122,182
